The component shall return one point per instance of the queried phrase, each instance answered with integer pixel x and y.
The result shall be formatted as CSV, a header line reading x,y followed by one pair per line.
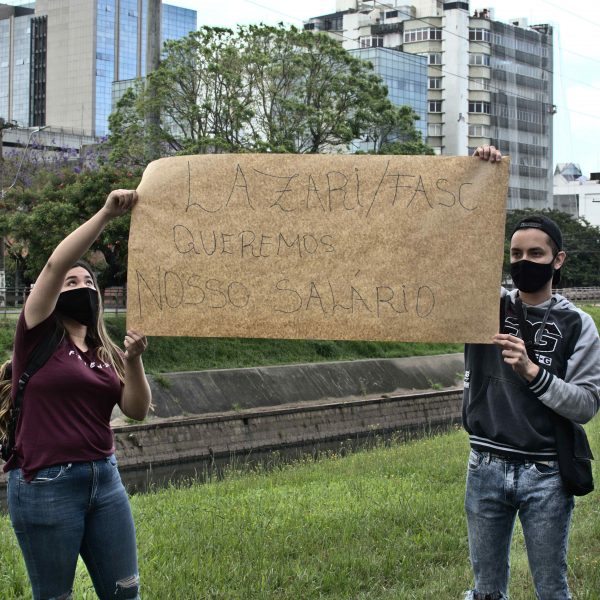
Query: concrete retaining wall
x,y
220,390
192,446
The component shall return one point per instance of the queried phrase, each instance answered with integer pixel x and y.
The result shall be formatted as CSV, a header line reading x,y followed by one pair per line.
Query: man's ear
x,y
559,260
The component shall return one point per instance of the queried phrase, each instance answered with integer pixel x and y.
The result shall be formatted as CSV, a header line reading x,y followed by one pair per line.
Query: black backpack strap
x,y
40,355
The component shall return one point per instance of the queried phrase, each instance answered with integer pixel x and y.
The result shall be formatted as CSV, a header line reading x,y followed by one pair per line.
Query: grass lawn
x,y
381,524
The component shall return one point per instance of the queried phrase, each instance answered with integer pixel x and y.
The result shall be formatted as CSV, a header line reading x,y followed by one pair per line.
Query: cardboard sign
x,y
319,247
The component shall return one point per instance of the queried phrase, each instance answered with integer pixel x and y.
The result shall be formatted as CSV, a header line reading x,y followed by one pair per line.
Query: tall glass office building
x,y
59,58
14,63
405,76
121,45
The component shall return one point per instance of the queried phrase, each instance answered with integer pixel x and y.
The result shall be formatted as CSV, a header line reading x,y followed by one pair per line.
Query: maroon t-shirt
x,y
66,410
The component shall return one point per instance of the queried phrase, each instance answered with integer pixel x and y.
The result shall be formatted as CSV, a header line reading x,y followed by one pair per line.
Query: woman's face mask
x,y
80,304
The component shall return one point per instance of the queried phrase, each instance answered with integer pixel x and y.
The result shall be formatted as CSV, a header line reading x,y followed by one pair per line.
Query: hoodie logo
x,y
545,343
467,379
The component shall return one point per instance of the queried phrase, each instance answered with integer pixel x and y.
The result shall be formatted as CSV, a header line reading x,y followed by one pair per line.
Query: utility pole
x,y
153,43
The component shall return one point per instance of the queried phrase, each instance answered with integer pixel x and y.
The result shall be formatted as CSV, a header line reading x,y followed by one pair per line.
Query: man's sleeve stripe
x,y
541,383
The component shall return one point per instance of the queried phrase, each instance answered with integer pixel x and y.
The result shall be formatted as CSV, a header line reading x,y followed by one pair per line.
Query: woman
x,y
65,494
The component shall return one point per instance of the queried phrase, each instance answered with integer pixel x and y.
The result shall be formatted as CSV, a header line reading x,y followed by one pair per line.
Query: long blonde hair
x,y
5,396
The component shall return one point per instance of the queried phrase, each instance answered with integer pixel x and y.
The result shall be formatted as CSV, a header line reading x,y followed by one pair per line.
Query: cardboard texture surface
x,y
320,247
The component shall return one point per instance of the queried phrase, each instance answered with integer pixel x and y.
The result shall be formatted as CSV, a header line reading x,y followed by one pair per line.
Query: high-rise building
x,y
15,23
405,77
90,45
59,58
488,82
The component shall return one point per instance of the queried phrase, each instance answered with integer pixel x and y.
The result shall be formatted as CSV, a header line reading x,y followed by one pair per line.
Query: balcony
x,y
384,28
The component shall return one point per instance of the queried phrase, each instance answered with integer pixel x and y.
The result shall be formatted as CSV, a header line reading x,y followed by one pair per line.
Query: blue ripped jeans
x,y
497,490
71,510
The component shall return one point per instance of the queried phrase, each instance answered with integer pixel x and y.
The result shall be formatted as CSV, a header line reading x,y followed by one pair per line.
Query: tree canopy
x,y
258,89
35,220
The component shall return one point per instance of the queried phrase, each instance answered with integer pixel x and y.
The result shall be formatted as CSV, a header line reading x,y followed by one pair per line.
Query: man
x,y
508,399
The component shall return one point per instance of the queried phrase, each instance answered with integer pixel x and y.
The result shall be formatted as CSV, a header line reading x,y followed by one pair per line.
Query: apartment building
x,y
488,82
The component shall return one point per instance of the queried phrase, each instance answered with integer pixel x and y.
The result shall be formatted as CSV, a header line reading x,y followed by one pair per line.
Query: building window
x,y
435,106
373,41
479,83
479,35
422,35
479,107
479,59
390,14
479,131
434,129
435,83
435,58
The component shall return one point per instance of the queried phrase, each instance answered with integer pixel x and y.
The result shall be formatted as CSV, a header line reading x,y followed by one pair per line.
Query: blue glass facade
x,y
177,22
144,22
14,87
128,39
21,67
105,60
405,76
122,24
4,66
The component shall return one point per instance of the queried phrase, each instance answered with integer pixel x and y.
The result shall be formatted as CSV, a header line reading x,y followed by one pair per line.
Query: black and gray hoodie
x,y
505,414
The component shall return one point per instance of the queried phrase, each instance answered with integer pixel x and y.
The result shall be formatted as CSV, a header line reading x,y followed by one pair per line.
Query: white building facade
x,y
488,82
575,194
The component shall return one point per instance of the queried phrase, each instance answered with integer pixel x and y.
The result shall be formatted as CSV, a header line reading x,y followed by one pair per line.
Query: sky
x,y
576,55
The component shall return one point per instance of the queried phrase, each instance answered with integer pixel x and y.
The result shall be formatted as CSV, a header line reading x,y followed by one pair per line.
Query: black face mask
x,y
80,304
530,276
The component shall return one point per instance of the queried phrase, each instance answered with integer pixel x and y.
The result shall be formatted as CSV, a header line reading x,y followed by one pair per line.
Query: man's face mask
x,y
80,304
531,276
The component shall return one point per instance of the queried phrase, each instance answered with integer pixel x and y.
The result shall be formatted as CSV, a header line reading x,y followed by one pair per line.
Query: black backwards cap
x,y
549,227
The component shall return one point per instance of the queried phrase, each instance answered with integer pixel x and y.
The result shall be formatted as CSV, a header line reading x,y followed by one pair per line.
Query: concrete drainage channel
x,y
208,420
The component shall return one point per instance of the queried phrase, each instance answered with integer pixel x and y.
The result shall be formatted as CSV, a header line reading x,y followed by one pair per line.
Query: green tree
x,y
201,97
34,221
310,93
261,88
130,140
581,242
394,132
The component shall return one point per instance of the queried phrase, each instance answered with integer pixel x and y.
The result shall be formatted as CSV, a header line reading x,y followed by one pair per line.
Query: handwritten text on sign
x,y
327,247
